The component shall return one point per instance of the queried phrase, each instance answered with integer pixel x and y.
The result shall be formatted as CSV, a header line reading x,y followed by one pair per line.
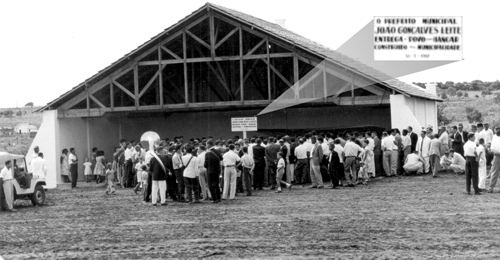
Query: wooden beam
x,y
160,75
242,81
169,52
256,47
227,37
342,89
222,81
311,78
82,95
375,90
198,39
352,87
296,76
212,34
277,72
197,21
325,83
269,97
223,58
136,85
111,95
123,89
175,87
96,101
150,82
184,53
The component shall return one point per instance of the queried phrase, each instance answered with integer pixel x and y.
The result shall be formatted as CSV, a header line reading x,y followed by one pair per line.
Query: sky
x,y
48,47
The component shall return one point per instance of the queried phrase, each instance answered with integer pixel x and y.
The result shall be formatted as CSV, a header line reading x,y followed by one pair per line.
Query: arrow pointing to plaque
x,y
360,53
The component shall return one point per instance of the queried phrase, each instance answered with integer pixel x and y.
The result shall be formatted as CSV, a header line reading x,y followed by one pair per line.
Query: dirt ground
x,y
391,218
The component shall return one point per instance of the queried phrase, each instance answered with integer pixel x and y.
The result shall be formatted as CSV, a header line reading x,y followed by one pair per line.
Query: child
x,y
281,172
144,178
110,173
88,169
138,170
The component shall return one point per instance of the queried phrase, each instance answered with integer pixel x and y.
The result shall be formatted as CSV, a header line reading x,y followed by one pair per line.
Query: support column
x,y
185,67
296,76
268,70
242,97
160,75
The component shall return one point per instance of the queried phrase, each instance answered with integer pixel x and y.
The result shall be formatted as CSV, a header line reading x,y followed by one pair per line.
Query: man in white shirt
x,y
129,165
480,133
39,167
178,169
413,163
488,133
423,148
190,175
471,165
34,156
73,166
6,175
453,161
388,146
495,164
302,165
229,160
351,152
202,172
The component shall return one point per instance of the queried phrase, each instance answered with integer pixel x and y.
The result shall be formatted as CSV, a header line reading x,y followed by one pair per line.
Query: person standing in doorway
x,y
73,167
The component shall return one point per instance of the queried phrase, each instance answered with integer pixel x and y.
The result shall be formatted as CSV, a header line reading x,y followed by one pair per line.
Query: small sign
x,y
417,38
243,124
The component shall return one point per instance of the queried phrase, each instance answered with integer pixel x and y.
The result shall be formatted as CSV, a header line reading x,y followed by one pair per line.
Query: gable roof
x,y
272,29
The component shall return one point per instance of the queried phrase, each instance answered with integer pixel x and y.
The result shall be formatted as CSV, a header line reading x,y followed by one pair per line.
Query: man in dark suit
x,y
334,166
212,164
172,190
259,157
458,139
413,137
272,150
159,176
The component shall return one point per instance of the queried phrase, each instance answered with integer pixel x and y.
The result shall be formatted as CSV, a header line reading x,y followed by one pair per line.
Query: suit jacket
x,y
377,146
414,140
292,157
158,174
212,162
458,142
423,146
436,147
317,154
272,153
259,154
169,165
334,163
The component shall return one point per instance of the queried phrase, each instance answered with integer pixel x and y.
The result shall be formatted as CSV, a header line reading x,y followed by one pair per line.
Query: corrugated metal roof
x,y
272,29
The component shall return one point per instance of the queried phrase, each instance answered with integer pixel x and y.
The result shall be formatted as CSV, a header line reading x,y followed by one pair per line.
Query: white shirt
x,y
6,174
351,149
250,149
458,160
128,154
470,148
191,170
230,158
301,152
72,158
247,161
176,161
481,152
480,135
281,164
39,168
406,141
495,144
200,159
309,146
147,157
339,149
371,143
444,138
388,143
488,135
326,149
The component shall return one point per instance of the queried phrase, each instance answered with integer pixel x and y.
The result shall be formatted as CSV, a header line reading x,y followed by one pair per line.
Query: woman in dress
x,y
369,159
65,165
99,170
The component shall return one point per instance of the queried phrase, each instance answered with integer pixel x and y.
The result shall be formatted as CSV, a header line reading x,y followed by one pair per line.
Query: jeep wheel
x,y
38,196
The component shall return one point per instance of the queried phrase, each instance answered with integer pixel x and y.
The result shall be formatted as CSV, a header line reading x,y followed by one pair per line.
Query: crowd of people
x,y
210,169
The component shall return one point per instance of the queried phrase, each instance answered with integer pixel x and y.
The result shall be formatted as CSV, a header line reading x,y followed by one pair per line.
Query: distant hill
x,y
10,117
